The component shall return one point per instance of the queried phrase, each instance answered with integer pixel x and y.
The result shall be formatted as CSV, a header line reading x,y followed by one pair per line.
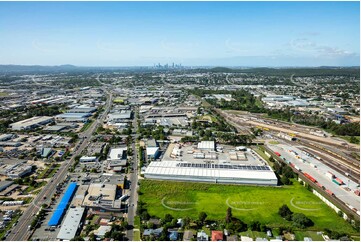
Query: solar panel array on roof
x,y
60,209
224,166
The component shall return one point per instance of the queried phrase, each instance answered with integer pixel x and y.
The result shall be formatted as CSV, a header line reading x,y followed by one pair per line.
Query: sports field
x,y
247,202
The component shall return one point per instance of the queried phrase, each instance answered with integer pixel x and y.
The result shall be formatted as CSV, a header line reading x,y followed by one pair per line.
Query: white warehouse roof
x,y
71,223
220,173
209,145
152,150
117,153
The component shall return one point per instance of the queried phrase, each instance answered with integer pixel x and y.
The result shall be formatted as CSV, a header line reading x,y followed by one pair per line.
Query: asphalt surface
x,y
20,232
133,177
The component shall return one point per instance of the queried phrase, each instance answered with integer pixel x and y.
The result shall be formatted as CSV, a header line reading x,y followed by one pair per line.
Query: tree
x,y
202,216
77,238
92,237
229,215
255,226
285,212
288,172
186,221
236,225
285,180
301,221
168,218
145,215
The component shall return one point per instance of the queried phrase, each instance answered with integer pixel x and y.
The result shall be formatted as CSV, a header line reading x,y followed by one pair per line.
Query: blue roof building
x,y
63,205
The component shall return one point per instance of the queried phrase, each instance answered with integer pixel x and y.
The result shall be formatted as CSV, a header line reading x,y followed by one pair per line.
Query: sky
x,y
190,33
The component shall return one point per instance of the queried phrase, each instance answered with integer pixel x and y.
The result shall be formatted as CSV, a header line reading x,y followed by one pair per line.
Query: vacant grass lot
x,y
247,202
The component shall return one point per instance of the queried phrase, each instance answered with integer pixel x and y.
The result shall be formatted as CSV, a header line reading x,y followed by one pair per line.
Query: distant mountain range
x,y
34,68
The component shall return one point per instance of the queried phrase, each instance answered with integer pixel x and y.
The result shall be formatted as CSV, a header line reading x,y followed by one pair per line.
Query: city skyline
x,y
190,33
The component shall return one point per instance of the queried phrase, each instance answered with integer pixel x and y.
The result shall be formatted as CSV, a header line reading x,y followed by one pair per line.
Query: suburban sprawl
x,y
179,153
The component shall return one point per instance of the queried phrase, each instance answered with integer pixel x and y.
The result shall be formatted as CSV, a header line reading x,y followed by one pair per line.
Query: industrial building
x,y
63,205
14,171
55,128
82,109
102,196
215,173
79,195
71,224
31,123
6,137
153,152
123,116
73,117
207,145
117,154
5,184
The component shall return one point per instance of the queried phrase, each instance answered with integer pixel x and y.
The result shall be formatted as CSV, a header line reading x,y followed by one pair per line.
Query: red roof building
x,y
217,235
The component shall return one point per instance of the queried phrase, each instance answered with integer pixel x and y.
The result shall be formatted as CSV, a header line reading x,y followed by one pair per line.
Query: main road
x,y
20,232
133,177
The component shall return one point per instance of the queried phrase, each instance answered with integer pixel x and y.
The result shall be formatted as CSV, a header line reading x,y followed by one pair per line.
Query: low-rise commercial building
x,y
101,196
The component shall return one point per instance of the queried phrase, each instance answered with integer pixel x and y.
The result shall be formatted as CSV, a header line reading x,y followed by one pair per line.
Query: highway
x,y
133,177
20,232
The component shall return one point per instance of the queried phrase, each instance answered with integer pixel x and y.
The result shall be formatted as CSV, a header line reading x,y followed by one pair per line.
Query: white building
x,y
117,154
152,152
88,159
71,223
207,145
214,173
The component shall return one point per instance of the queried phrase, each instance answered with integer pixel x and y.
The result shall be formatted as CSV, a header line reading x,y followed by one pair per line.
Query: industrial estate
x,y
180,121
130,154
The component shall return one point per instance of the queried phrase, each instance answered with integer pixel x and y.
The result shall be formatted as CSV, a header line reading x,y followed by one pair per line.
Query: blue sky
x,y
191,33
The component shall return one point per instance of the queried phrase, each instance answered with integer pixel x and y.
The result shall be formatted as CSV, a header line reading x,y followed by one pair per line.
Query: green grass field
x,y
247,202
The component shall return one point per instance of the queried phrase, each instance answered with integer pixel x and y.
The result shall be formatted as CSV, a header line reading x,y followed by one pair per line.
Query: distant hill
x,y
353,71
35,68
284,71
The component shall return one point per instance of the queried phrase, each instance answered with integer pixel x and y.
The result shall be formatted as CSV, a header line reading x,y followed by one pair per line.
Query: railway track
x,y
350,164
354,176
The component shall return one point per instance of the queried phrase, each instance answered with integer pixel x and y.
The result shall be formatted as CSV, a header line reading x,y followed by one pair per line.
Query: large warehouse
x,y
31,123
215,173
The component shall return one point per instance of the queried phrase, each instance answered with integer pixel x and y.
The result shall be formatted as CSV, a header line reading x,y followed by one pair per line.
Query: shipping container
x,y
339,181
330,175
309,177
336,182
329,192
